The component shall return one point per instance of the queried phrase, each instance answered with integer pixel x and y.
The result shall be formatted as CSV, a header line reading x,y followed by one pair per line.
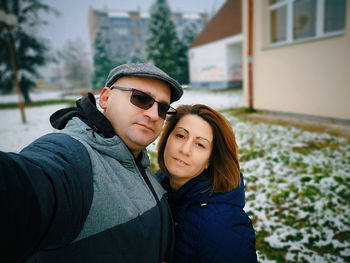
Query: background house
x,y
216,54
300,60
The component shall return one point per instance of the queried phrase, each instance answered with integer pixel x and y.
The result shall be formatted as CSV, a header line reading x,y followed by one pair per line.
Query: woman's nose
x,y
186,147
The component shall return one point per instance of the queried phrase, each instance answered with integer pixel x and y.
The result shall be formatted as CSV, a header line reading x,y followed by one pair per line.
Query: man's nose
x,y
152,112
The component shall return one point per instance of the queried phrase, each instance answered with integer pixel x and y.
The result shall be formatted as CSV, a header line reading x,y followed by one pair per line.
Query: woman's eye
x,y
200,145
179,136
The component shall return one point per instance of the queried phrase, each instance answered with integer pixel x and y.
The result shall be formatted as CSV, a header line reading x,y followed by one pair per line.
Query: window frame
x,y
320,23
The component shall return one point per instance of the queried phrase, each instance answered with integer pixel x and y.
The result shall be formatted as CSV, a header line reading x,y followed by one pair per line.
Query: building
x,y
216,54
297,57
125,32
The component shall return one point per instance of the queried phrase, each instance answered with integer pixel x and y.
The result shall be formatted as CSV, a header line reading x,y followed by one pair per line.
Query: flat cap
x,y
148,71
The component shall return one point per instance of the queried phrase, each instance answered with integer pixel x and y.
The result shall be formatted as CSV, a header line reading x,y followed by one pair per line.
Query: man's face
x,y
135,126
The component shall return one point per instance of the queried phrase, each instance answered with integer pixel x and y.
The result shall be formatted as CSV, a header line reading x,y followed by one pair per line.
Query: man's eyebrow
x,y
198,137
153,97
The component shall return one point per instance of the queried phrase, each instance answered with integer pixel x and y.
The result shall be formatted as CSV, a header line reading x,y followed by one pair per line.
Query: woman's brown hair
x,y
224,170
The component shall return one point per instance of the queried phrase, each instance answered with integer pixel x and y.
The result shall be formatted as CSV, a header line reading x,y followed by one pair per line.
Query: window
x,y
302,20
121,31
278,24
334,15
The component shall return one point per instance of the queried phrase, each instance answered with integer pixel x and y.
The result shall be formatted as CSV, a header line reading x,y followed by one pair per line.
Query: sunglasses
x,y
145,101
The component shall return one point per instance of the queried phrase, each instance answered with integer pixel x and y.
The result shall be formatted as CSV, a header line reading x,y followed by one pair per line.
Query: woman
x,y
198,160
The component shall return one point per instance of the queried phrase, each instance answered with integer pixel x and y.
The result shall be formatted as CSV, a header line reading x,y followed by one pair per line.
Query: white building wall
x,y
209,62
310,78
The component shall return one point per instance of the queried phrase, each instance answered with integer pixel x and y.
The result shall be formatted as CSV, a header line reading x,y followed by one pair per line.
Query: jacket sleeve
x,y
227,239
45,195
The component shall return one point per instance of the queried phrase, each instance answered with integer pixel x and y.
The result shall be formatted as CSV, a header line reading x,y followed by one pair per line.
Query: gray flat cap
x,y
148,71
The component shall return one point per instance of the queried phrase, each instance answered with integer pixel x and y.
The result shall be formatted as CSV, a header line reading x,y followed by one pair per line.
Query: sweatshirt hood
x,y
86,123
87,111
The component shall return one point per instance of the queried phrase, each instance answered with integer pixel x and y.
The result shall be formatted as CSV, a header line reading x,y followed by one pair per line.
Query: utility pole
x,y
9,21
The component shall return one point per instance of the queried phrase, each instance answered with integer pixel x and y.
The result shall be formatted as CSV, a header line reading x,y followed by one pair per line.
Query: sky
x,y
73,21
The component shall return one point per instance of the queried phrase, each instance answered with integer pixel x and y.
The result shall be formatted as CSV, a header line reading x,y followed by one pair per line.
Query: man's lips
x,y
145,126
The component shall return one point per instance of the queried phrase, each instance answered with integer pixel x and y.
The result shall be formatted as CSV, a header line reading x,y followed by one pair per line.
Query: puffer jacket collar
x,y
113,147
198,190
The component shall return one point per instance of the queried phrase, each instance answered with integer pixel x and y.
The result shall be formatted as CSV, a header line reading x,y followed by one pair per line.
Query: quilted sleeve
x,y
45,194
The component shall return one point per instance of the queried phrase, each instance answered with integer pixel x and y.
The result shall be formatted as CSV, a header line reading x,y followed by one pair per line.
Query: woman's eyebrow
x,y
198,137
202,138
183,129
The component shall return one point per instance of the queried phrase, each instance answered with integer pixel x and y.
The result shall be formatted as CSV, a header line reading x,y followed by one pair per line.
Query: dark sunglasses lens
x,y
141,100
162,110
145,101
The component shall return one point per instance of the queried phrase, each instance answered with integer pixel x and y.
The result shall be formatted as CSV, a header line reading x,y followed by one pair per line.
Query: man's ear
x,y
104,95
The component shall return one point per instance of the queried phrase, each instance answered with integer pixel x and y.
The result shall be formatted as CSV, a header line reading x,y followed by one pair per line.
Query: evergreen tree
x,y
31,52
137,56
102,62
164,48
188,35
182,63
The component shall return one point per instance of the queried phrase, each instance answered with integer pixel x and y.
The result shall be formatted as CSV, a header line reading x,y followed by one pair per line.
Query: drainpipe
x,y
250,54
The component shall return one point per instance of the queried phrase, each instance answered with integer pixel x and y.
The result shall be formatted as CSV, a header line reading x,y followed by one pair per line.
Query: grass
x,y
298,192
238,111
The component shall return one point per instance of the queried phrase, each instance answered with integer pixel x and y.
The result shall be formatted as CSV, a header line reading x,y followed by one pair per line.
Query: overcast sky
x,y
73,21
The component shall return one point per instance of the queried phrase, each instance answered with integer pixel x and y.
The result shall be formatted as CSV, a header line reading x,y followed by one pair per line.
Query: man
x,y
85,194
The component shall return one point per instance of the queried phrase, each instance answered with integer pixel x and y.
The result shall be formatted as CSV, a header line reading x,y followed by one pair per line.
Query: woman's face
x,y
188,149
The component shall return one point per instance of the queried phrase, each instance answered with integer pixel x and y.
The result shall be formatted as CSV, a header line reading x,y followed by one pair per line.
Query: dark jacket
x,y
81,196
210,227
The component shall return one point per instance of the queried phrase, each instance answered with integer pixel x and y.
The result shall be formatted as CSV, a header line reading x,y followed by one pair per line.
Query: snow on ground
x,y
14,135
297,183
216,100
37,95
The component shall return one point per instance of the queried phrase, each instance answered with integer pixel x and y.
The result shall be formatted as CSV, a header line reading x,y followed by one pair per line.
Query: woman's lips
x,y
181,162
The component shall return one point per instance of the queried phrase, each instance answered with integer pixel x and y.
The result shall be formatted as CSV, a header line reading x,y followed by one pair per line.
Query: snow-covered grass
x,y
297,191
297,182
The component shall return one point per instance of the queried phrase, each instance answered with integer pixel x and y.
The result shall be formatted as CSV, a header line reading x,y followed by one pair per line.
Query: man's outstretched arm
x,y
45,195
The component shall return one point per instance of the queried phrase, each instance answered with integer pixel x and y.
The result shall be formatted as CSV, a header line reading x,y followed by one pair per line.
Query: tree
x,y
30,50
102,62
188,35
164,48
76,64
137,56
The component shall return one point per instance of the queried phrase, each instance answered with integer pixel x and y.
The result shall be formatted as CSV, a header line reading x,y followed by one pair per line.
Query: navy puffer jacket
x,y
210,227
